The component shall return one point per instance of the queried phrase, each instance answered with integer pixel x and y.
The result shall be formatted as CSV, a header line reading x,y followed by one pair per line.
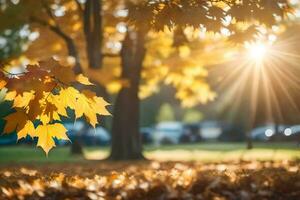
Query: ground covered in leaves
x,y
238,180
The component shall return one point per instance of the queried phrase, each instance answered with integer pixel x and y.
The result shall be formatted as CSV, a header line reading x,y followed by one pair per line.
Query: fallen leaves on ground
x,y
238,180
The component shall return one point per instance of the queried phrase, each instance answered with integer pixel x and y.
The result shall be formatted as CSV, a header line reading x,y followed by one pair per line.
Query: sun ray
x,y
265,75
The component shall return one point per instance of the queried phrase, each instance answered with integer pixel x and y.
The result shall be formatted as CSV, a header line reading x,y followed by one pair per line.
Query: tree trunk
x,y
249,142
92,22
76,147
93,31
126,140
249,128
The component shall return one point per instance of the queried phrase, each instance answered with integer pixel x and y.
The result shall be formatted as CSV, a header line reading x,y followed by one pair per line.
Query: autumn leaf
x,y
2,80
28,129
90,105
83,80
99,103
15,121
10,96
67,97
63,74
22,100
2,84
47,133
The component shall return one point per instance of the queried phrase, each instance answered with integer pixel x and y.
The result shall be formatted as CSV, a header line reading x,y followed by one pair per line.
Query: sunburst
x,y
261,77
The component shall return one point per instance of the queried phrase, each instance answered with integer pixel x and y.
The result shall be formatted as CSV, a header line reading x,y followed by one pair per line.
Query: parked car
x,y
268,133
191,133
96,136
168,133
147,135
74,132
86,136
232,132
292,134
210,130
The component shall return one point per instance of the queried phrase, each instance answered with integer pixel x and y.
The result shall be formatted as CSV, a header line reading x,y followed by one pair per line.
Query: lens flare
x,y
263,82
256,51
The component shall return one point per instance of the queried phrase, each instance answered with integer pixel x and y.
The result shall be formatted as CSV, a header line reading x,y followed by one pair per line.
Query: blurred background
x,y
249,110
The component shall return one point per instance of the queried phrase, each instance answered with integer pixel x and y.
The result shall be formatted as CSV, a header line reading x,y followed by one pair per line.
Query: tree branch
x,y
12,74
79,7
112,55
53,28
68,40
48,11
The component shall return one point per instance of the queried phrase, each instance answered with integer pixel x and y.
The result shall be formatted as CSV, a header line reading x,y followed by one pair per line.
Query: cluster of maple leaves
x,y
210,14
244,180
41,95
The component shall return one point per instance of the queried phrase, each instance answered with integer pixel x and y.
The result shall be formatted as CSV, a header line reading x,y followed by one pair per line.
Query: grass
x,y
185,152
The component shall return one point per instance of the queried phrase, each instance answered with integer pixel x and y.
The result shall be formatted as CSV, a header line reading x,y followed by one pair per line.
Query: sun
x,y
256,51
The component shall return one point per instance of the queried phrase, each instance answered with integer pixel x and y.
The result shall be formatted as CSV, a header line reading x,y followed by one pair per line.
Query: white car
x,y
168,133
210,130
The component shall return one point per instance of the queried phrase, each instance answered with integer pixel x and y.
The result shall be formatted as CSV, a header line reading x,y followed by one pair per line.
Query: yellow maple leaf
x,y
2,80
47,133
100,105
97,103
23,100
81,106
28,129
83,80
2,84
89,105
61,109
10,95
67,97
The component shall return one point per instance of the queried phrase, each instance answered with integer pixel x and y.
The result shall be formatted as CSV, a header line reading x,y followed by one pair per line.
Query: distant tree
x,y
192,116
165,113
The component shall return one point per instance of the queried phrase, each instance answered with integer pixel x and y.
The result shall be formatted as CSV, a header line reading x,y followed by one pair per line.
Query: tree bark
x,y
92,21
126,139
249,142
93,32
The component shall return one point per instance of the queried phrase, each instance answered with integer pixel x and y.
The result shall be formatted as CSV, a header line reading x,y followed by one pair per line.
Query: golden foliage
x,y
41,96
185,67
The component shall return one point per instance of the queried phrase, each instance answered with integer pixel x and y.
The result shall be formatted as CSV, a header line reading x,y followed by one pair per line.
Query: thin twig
x,y
12,74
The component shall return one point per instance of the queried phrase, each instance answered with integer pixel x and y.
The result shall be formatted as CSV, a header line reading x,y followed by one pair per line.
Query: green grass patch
x,y
183,152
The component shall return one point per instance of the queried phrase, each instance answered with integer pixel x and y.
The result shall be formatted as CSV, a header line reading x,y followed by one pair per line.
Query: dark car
x,y
191,133
268,133
147,135
292,134
231,132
